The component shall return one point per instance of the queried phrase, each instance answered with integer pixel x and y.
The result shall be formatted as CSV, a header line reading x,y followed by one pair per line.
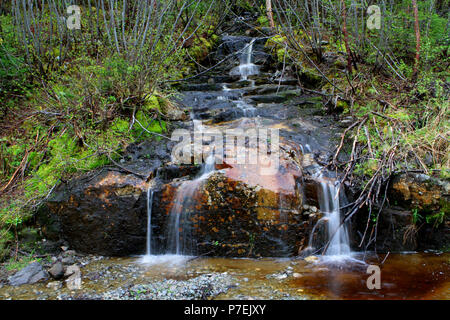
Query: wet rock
x,y
70,270
310,79
418,218
228,115
32,273
68,260
239,84
238,211
103,213
70,252
270,98
173,112
57,270
396,232
268,89
73,282
200,87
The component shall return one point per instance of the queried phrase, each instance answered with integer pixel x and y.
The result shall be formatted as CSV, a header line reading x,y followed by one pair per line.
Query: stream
x,y
279,264
404,276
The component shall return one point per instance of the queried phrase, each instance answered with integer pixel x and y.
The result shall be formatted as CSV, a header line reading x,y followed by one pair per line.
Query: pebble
x,y
311,259
54,285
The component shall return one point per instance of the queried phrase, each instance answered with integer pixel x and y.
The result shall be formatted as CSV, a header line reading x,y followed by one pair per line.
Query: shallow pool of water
x,y
403,276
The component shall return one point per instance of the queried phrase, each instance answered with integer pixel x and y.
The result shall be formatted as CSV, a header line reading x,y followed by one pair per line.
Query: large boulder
x,y
235,211
102,213
416,217
421,192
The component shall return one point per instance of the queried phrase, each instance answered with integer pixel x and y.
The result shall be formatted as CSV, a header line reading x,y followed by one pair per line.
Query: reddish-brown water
x,y
410,276
403,276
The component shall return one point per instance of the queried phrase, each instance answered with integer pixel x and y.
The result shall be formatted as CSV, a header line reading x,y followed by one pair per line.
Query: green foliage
x,y
14,73
263,21
23,261
436,218
416,216
6,237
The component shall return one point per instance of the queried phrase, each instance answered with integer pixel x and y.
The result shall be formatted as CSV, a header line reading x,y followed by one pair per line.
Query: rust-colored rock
x,y
237,211
419,191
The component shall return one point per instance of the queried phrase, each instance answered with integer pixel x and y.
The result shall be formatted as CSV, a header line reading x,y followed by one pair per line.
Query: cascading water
x,y
149,221
246,68
179,240
337,241
330,206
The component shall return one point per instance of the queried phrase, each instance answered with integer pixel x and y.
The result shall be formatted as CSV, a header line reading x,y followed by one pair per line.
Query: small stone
x,y
313,209
54,285
68,260
72,270
296,275
64,248
281,276
74,281
305,207
57,270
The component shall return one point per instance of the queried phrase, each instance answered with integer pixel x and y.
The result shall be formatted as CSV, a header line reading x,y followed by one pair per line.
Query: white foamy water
x,y
180,242
337,245
167,259
246,68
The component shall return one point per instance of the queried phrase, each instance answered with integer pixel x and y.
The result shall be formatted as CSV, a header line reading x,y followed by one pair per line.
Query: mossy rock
x,y
311,79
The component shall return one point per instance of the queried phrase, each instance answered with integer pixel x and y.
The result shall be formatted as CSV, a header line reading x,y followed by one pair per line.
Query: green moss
x,y
367,168
263,21
275,41
66,157
152,102
310,78
149,124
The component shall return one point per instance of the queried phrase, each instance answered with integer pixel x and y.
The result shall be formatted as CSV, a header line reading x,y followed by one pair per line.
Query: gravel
x,y
201,287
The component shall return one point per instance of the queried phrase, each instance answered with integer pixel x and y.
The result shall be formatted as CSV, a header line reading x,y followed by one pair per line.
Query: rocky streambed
x,y
404,276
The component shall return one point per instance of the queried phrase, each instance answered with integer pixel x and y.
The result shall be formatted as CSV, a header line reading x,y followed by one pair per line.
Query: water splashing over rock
x,y
246,68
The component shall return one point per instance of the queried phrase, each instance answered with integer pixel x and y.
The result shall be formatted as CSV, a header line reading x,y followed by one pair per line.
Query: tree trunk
x,y
269,13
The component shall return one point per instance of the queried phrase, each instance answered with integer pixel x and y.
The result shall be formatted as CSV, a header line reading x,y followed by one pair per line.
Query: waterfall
x,y
330,206
337,241
149,220
179,238
246,67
